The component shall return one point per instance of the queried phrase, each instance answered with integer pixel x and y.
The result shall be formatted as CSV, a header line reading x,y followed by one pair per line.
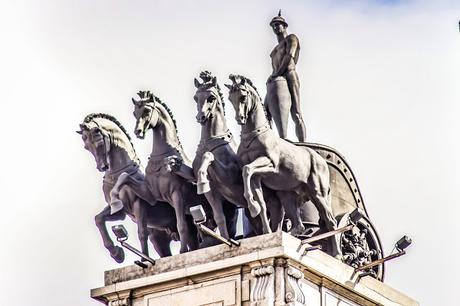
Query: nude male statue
x,y
284,58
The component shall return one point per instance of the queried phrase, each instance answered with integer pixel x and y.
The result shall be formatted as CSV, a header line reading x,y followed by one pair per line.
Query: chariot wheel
x,y
361,245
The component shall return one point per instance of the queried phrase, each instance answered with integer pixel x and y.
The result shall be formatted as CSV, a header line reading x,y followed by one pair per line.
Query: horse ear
x,y
79,132
151,97
134,101
214,81
197,83
228,86
243,81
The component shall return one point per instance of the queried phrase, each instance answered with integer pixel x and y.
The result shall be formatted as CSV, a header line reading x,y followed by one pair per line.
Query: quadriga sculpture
x,y
298,174
162,184
215,166
114,153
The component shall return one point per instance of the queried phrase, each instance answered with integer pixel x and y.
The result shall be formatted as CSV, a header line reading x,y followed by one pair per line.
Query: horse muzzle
x,y
202,117
139,133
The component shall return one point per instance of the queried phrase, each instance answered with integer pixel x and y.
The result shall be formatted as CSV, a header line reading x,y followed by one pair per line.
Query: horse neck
x,y
256,116
119,158
214,126
164,135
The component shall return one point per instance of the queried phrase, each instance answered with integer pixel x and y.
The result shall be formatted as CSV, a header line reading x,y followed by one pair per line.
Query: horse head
x,y
145,113
208,97
98,143
243,97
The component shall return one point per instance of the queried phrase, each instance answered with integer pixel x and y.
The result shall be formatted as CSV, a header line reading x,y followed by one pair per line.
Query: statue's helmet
x,y
279,19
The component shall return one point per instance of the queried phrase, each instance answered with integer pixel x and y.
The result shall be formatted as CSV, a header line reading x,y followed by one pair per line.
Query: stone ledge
x,y
317,267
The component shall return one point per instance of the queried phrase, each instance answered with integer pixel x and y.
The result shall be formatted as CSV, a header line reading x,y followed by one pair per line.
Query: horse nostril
x,y
137,131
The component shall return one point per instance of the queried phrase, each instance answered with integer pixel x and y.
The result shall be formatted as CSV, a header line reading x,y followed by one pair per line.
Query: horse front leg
x,y
202,173
216,202
260,165
185,234
138,187
100,219
257,188
140,213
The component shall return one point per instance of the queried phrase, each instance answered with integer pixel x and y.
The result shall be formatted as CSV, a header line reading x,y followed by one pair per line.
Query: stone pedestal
x,y
265,270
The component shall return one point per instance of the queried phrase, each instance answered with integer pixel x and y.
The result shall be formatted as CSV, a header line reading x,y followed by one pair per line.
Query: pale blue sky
x,y
379,83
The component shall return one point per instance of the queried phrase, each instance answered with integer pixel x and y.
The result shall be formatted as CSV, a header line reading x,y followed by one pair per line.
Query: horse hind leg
x,y
320,197
160,240
290,201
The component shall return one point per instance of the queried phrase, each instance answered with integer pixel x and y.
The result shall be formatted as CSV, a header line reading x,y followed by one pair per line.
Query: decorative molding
x,y
294,295
120,302
262,289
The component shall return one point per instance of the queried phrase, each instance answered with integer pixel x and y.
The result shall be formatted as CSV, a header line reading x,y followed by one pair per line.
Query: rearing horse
x,y
109,143
152,114
215,166
298,174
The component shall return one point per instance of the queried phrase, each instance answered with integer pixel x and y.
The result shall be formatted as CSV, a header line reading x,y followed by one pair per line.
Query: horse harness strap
x,y
248,138
156,162
111,176
214,142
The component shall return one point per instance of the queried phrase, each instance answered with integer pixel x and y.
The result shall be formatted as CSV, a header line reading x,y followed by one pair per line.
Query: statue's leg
x,y
260,165
100,219
160,240
296,113
202,174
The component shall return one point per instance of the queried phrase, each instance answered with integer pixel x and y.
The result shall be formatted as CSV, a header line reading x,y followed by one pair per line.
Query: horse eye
x,y
242,98
211,99
195,98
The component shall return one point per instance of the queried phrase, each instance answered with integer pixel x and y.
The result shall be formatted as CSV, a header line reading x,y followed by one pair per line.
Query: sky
x,y
379,83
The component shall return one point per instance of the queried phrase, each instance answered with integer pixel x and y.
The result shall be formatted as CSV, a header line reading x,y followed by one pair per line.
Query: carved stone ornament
x,y
262,289
120,302
294,295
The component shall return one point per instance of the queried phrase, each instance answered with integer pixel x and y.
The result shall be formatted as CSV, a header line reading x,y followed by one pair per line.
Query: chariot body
x,y
360,245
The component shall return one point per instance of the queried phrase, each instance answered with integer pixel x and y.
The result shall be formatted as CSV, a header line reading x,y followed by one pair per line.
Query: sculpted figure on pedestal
x,y
283,95
109,143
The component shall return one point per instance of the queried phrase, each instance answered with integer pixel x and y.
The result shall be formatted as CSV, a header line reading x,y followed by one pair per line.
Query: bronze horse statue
x,y
110,144
298,174
162,183
215,166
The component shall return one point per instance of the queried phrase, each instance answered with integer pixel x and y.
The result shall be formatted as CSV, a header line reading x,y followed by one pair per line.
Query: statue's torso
x,y
282,49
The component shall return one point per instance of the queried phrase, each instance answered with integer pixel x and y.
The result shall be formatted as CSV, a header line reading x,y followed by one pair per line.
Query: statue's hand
x,y
172,163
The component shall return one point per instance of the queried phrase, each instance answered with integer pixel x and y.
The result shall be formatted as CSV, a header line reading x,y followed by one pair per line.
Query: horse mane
x,y
168,110
112,119
207,77
234,77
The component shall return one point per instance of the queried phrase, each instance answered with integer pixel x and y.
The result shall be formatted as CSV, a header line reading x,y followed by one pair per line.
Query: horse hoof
x,y
118,255
202,188
298,230
254,210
